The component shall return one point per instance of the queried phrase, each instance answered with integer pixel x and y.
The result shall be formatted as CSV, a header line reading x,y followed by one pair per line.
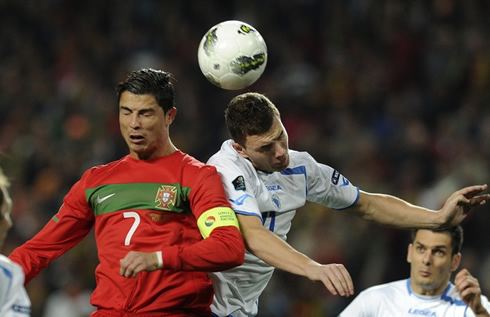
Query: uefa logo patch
x,y
239,183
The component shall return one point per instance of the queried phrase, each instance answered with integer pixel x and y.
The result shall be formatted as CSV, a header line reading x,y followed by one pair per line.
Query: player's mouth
x,y
136,138
280,166
283,163
424,273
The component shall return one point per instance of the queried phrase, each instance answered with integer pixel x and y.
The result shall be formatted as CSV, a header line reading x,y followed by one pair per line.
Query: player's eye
x,y
265,148
125,111
147,113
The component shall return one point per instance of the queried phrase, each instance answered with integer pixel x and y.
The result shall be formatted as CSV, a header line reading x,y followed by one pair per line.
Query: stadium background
x,y
394,94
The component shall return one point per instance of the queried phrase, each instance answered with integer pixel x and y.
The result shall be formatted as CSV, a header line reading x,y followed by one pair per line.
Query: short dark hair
x,y
456,234
150,81
248,114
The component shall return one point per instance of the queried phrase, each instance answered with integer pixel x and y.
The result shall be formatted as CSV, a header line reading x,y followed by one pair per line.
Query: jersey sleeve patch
x,y
335,177
239,183
216,217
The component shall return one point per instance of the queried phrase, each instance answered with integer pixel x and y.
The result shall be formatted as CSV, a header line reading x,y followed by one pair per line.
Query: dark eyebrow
x,y
146,110
265,147
439,247
140,111
280,134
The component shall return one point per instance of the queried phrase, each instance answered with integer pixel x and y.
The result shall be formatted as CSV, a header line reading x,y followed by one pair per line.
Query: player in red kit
x,y
161,217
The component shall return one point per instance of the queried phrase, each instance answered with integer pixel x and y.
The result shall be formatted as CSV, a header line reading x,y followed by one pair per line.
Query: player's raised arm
x,y
393,211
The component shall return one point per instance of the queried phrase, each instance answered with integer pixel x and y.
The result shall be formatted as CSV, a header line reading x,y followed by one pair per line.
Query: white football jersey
x,y
397,299
14,301
274,198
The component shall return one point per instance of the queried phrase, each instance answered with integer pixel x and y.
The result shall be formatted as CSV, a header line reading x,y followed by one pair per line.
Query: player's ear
x,y
456,262
240,149
170,115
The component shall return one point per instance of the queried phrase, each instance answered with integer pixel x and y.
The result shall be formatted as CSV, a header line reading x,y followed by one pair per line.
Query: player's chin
x,y
280,166
141,151
137,149
284,164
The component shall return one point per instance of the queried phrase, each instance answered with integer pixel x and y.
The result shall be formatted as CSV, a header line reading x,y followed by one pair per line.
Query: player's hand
x,y
135,262
470,292
461,202
335,277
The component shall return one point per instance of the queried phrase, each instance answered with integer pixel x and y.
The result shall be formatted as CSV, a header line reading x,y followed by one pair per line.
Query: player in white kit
x,y
266,182
433,256
14,301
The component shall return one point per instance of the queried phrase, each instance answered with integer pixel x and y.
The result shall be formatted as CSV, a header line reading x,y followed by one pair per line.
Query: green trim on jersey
x,y
152,196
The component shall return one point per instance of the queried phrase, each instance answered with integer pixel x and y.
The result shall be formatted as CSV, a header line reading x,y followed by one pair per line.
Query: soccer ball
x,y
232,55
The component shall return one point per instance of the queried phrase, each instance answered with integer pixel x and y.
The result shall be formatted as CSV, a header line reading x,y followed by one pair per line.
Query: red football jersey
x,y
143,205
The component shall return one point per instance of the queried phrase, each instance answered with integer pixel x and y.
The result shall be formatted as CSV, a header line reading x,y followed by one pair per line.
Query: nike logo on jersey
x,y
100,200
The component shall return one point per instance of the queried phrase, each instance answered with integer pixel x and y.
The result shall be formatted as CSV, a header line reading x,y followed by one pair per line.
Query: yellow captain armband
x,y
216,217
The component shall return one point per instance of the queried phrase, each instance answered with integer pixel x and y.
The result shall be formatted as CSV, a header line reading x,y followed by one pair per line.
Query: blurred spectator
x,y
69,301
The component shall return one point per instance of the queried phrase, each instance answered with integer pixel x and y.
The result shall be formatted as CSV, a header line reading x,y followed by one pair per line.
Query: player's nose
x,y
135,121
279,150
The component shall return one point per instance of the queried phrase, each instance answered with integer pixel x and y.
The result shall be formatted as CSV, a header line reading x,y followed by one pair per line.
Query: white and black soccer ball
x,y
232,55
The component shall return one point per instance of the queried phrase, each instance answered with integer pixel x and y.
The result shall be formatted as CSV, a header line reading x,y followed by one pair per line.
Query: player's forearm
x,y
480,311
392,211
52,241
273,250
475,302
31,265
222,250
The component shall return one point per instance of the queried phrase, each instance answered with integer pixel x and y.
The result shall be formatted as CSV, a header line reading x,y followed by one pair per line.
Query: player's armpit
x,y
215,218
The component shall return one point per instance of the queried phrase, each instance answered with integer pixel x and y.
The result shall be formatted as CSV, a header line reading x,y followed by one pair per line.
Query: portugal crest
x,y
166,197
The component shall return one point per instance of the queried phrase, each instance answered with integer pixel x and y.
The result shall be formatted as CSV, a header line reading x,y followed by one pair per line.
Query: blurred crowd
x,y
394,94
